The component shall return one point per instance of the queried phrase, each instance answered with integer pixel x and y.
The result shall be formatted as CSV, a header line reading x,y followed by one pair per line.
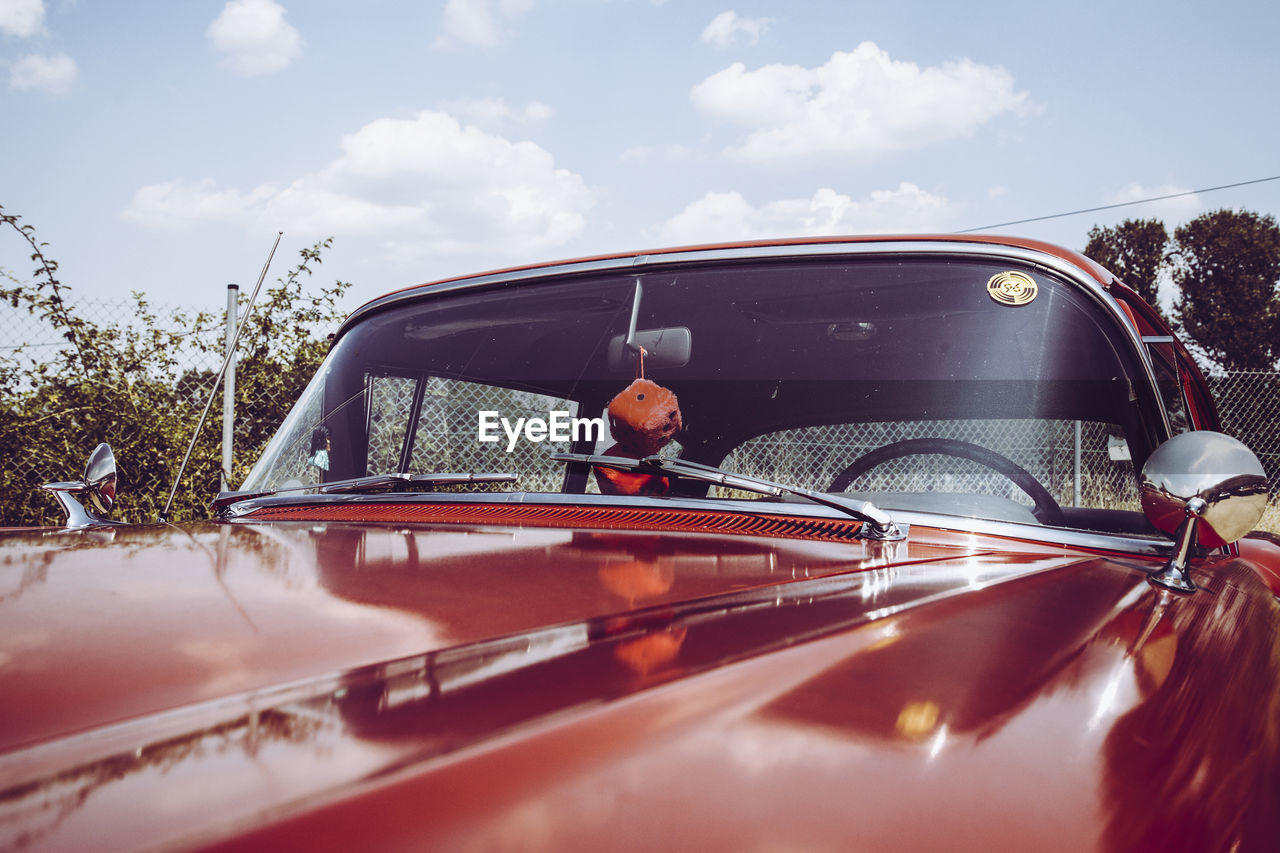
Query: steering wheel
x,y
1046,509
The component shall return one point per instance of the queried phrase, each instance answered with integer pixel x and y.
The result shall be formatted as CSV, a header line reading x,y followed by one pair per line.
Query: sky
x,y
160,146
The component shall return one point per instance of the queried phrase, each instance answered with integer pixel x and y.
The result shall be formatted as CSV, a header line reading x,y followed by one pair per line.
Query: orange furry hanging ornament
x,y
642,420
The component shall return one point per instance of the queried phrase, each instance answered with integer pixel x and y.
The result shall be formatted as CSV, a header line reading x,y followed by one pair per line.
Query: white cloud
x,y
649,153
1171,211
423,185
178,203
479,23
858,103
22,18
729,216
254,37
493,113
52,74
726,28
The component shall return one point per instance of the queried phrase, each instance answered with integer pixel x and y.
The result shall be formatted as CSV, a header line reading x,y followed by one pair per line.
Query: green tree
x,y
1134,250
1227,269
125,385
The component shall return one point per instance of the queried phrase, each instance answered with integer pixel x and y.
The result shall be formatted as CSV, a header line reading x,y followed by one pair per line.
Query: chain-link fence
x,y
26,339
192,364
1249,404
1080,463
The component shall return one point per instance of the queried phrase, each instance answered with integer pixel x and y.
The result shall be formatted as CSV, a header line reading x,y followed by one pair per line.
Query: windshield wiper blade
x,y
877,524
375,484
407,482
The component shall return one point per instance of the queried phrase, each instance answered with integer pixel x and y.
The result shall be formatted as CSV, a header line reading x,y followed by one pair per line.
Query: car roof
x,y
804,245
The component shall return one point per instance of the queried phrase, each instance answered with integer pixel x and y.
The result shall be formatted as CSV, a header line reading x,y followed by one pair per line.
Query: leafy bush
x,y
123,384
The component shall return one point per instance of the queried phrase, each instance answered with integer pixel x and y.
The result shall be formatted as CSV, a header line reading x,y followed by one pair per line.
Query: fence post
x,y
1075,478
229,385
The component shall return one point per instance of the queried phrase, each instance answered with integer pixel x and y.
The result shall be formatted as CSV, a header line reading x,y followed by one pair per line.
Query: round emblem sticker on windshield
x,y
1012,288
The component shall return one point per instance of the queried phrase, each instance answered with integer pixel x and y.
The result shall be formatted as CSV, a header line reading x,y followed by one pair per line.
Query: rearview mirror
x,y
663,348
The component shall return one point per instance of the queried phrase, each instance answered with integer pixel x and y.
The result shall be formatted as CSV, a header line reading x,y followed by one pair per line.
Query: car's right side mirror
x,y
1202,488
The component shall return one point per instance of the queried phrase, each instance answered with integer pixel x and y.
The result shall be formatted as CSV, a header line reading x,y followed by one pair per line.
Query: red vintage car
x,y
914,543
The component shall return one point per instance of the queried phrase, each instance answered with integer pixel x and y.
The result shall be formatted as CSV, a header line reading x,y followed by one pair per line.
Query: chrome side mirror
x,y
88,502
1202,488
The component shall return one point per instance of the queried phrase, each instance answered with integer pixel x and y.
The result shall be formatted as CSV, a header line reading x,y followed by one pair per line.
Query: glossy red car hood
x,y
342,686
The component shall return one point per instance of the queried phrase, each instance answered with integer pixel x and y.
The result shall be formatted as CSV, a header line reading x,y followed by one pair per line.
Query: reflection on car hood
x,y
568,688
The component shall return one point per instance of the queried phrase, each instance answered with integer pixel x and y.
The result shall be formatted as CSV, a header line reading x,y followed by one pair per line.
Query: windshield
x,y
882,379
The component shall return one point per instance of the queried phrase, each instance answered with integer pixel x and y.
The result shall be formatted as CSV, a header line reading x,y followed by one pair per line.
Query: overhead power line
x,y
1120,204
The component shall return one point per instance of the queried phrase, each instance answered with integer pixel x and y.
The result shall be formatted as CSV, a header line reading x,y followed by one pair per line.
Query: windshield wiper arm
x,y
877,524
375,484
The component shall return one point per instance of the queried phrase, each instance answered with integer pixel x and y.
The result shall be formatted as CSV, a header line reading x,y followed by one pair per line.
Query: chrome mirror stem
x,y
77,501
1175,575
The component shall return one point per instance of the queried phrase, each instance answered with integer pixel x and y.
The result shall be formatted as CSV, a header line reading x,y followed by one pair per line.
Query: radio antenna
x,y
213,392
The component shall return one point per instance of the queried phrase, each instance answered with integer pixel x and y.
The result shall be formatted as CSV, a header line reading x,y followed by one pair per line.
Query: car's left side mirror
x,y
1202,488
88,501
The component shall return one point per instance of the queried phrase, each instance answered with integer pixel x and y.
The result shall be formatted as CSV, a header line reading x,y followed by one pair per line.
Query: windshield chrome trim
x,y
1060,536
